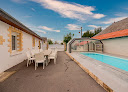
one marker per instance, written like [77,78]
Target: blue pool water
[111,60]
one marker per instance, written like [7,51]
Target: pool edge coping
[100,82]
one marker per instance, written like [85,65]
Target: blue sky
[56,18]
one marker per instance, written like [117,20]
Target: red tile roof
[112,35]
[81,43]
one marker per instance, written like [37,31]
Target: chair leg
[43,65]
[35,65]
[48,60]
[27,62]
[54,60]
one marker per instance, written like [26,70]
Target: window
[33,41]
[39,45]
[13,42]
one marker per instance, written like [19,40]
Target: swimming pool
[111,60]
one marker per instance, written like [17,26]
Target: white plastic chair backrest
[39,56]
[32,52]
[47,51]
[37,51]
[28,54]
[54,52]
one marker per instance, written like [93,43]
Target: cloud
[16,0]
[48,29]
[51,39]
[98,16]
[60,41]
[72,27]
[19,1]
[40,31]
[104,27]
[33,9]
[83,32]
[89,30]
[126,8]
[111,20]
[94,26]
[27,16]
[70,10]
[120,14]
[34,28]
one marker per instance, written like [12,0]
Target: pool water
[111,60]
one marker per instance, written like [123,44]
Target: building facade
[115,38]
[15,40]
[118,46]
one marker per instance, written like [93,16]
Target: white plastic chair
[37,51]
[53,55]
[39,58]
[33,53]
[29,58]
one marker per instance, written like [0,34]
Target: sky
[55,18]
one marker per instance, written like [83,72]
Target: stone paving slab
[115,78]
[5,75]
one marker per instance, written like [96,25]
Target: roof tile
[112,35]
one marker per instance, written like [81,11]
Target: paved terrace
[65,76]
[113,77]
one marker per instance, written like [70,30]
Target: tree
[50,41]
[90,34]
[68,37]
[97,30]
[61,43]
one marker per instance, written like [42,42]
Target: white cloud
[60,41]
[48,29]
[98,16]
[111,20]
[33,9]
[52,39]
[83,31]
[104,27]
[41,31]
[126,8]
[89,30]
[70,10]
[19,1]
[34,28]
[72,27]
[94,26]
[16,0]
[27,16]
